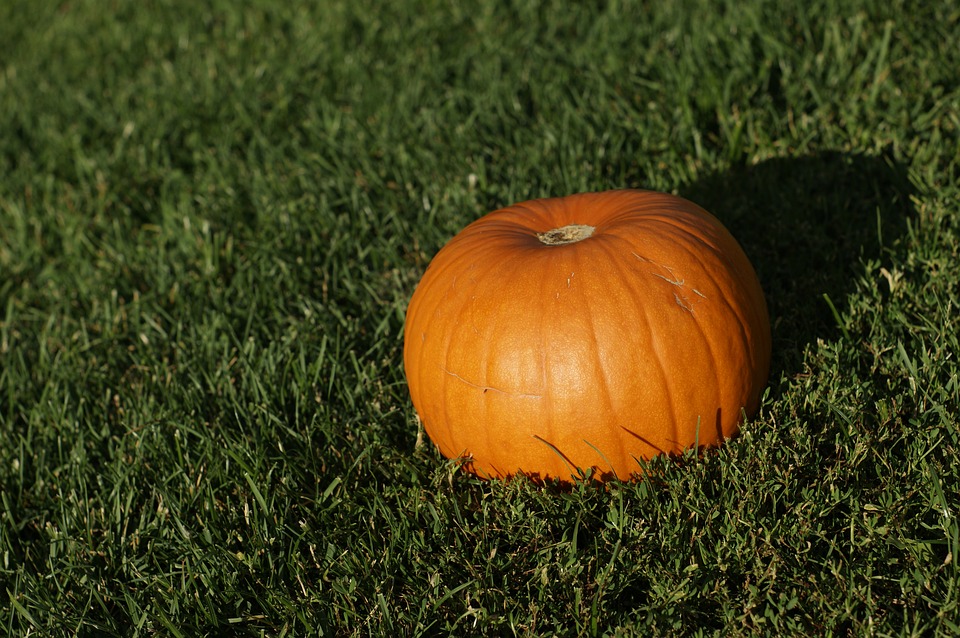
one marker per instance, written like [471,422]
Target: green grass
[212,216]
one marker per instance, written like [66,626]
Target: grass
[212,216]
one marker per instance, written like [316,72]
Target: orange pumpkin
[587,331]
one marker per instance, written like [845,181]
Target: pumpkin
[586,332]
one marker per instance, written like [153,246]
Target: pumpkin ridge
[724,396]
[477,252]
[721,256]
[598,364]
[636,288]
[529,215]
[718,383]
[551,319]
[487,363]
[696,318]
[546,416]
[639,289]
[433,272]
[743,278]
[728,259]
[623,277]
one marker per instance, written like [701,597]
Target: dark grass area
[212,217]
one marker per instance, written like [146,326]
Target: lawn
[213,215]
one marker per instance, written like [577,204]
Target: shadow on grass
[807,223]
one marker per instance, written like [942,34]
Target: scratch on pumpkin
[673,279]
[488,388]
[682,300]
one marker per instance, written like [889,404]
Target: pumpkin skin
[586,331]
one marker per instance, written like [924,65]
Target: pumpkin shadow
[809,224]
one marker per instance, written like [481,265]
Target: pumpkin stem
[565,234]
